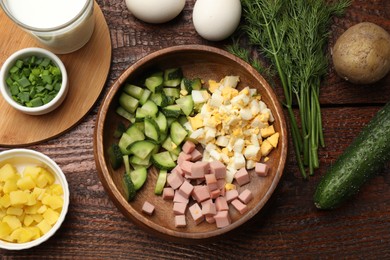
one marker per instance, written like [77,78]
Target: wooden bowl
[196,61]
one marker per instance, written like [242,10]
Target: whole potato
[361,54]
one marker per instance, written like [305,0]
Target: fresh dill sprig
[293,35]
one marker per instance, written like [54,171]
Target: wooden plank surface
[289,227]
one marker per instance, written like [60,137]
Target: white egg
[155,11]
[216,20]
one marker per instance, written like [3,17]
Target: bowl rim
[22,53]
[60,177]
[109,184]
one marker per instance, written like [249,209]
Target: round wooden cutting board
[87,71]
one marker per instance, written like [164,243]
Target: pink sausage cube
[175,180]
[203,203]
[209,209]
[261,169]
[177,169]
[210,219]
[222,219]
[196,213]
[200,169]
[168,193]
[215,193]
[186,189]
[180,198]
[239,206]
[179,208]
[183,157]
[196,155]
[221,204]
[180,221]
[211,181]
[186,166]
[242,177]
[188,147]
[231,195]
[148,208]
[221,183]
[219,169]
[201,193]
[246,196]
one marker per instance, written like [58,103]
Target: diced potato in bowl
[34,198]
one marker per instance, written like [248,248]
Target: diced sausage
[210,219]
[179,208]
[178,169]
[180,198]
[261,169]
[148,208]
[242,177]
[211,181]
[183,157]
[246,196]
[219,169]
[200,169]
[209,208]
[215,193]
[186,189]
[168,193]
[196,155]
[180,221]
[175,180]
[239,206]
[222,219]
[186,166]
[221,204]
[231,195]
[200,193]
[188,147]
[196,213]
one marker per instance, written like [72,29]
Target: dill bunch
[293,35]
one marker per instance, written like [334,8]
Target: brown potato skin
[361,55]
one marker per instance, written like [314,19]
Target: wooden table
[290,226]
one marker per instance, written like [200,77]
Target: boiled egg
[216,20]
[155,11]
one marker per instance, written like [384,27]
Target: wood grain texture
[80,65]
[290,227]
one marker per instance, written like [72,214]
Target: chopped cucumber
[128,187]
[162,123]
[142,149]
[140,126]
[196,84]
[125,114]
[155,82]
[172,77]
[126,162]
[133,91]
[138,177]
[135,160]
[186,104]
[145,96]
[172,111]
[160,183]
[159,98]
[121,128]
[129,103]
[168,144]
[172,92]
[115,156]
[132,135]
[163,160]
[178,133]
[150,108]
[151,129]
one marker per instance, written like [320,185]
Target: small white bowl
[21,158]
[27,52]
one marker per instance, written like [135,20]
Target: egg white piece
[216,20]
[155,11]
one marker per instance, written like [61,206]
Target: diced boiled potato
[28,220]
[37,217]
[32,171]
[25,183]
[14,211]
[44,226]
[5,201]
[35,231]
[5,229]
[18,197]
[48,175]
[3,212]
[12,221]
[7,172]
[10,185]
[53,201]
[38,193]
[31,200]
[21,235]
[33,209]
[41,181]
[51,216]
[56,189]
[42,209]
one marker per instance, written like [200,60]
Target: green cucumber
[172,111]
[115,156]
[133,90]
[159,98]
[160,183]
[161,121]
[128,102]
[142,149]
[129,188]
[186,104]
[138,177]
[155,82]
[151,129]
[172,77]
[163,160]
[125,114]
[145,96]
[360,161]
[178,133]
